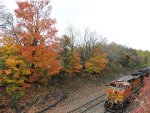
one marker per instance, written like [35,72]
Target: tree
[121,56]
[97,62]
[145,56]
[13,72]
[75,63]
[6,20]
[65,53]
[88,45]
[31,50]
[69,56]
[36,38]
[93,59]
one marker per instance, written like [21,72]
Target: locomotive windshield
[119,87]
[112,84]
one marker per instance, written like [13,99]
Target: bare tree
[90,44]
[87,43]
[6,20]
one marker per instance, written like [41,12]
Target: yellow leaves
[10,81]
[21,92]
[10,62]
[96,63]
[26,72]
[16,76]
[11,89]
[20,81]
[8,50]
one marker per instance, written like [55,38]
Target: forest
[33,55]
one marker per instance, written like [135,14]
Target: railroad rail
[53,104]
[89,105]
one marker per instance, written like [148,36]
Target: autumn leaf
[26,85]
[8,71]
[16,75]
[1,71]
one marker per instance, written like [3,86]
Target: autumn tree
[75,62]
[13,71]
[36,38]
[88,45]
[31,51]
[97,62]
[69,56]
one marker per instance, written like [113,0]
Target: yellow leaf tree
[13,72]
[96,63]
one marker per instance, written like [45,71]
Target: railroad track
[89,105]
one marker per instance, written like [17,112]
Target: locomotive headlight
[116,101]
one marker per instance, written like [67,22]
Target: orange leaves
[23,5]
[25,10]
[7,72]
[37,35]
[74,64]
[47,59]
[26,85]
[1,71]
[31,79]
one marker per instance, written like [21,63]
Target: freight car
[120,91]
[144,73]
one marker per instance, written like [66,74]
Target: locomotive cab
[117,94]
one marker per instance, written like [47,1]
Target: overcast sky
[125,22]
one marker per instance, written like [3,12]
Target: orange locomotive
[120,91]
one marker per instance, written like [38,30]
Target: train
[119,92]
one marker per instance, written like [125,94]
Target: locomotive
[120,91]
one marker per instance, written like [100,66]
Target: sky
[125,22]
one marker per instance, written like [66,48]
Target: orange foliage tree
[75,63]
[31,51]
[36,38]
